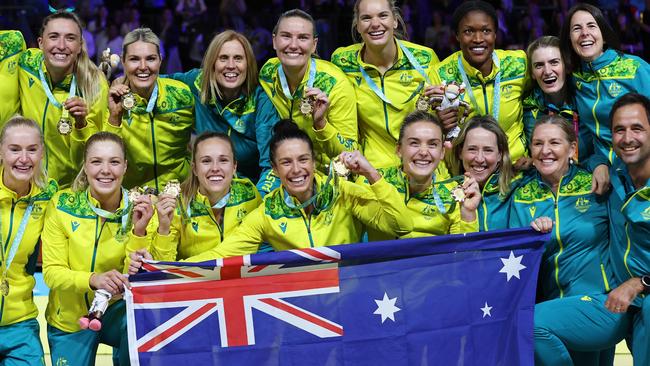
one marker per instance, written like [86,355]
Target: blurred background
[187,26]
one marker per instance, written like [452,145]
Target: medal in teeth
[128,101]
[339,168]
[307,106]
[172,188]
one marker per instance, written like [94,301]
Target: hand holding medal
[76,107]
[354,162]
[468,194]
[167,203]
[120,99]
[319,103]
[140,209]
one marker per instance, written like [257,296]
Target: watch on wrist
[645,281]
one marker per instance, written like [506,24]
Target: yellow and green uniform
[340,132]
[157,142]
[202,232]
[340,221]
[514,80]
[19,304]
[12,44]
[428,218]
[64,153]
[76,244]
[402,84]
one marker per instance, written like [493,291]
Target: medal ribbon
[331,176]
[150,105]
[496,95]
[13,249]
[50,96]
[120,213]
[219,205]
[285,84]
[414,62]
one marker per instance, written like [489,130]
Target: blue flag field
[449,300]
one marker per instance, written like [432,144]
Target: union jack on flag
[398,301]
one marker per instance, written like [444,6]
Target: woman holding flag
[24,194]
[213,203]
[63,91]
[153,115]
[88,231]
[389,74]
[312,92]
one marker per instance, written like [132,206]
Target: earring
[571,161]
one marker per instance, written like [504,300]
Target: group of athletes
[385,141]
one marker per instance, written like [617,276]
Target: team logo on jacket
[506,91]
[241,213]
[532,210]
[328,217]
[75,226]
[582,204]
[283,227]
[646,214]
[358,79]
[614,89]
[31,82]
[405,78]
[37,212]
[62,361]
[579,85]
[195,226]
[11,67]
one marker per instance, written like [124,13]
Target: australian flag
[450,300]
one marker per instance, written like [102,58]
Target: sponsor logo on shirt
[195,226]
[532,210]
[283,227]
[75,226]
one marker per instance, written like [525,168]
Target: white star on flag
[512,265]
[486,310]
[386,308]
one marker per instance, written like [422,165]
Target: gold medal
[423,104]
[307,106]
[4,287]
[458,193]
[64,126]
[128,101]
[172,188]
[339,168]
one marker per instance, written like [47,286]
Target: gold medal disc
[64,127]
[128,101]
[423,104]
[458,193]
[306,106]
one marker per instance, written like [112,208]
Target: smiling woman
[495,79]
[601,73]
[436,206]
[97,210]
[24,194]
[214,202]
[64,91]
[230,101]
[388,73]
[313,93]
[153,115]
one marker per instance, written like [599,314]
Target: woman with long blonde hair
[24,194]
[229,100]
